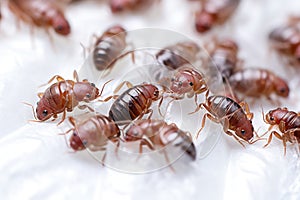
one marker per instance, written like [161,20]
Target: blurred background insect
[94,133]
[177,55]
[285,39]
[108,48]
[258,82]
[41,13]
[157,135]
[288,123]
[223,57]
[214,12]
[118,6]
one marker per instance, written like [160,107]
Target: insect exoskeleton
[64,95]
[42,14]
[134,102]
[108,47]
[157,134]
[235,120]
[288,123]
[257,82]
[177,55]
[214,12]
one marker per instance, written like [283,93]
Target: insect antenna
[28,104]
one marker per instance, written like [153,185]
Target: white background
[35,162]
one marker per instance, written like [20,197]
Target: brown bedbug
[214,12]
[134,102]
[257,82]
[177,55]
[235,120]
[285,40]
[157,134]
[223,56]
[64,95]
[118,6]
[93,133]
[187,81]
[288,123]
[109,47]
[41,13]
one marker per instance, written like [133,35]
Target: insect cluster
[132,117]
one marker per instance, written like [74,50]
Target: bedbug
[256,82]
[285,40]
[109,47]
[134,102]
[288,123]
[118,6]
[157,134]
[235,120]
[41,13]
[177,55]
[224,57]
[94,133]
[64,95]
[214,12]
[187,80]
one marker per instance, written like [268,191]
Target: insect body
[108,47]
[214,12]
[236,122]
[187,80]
[286,41]
[134,103]
[118,6]
[257,82]
[65,95]
[224,57]
[177,55]
[41,13]
[93,133]
[288,123]
[158,134]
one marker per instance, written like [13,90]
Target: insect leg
[128,84]
[212,118]
[168,160]
[57,77]
[247,109]
[63,118]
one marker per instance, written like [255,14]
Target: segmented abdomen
[223,106]
[130,104]
[107,51]
[58,96]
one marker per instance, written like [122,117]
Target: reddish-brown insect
[255,82]
[109,47]
[93,133]
[65,95]
[214,12]
[286,40]
[157,134]
[187,80]
[118,6]
[288,123]
[134,102]
[177,55]
[236,122]
[41,13]
[224,57]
